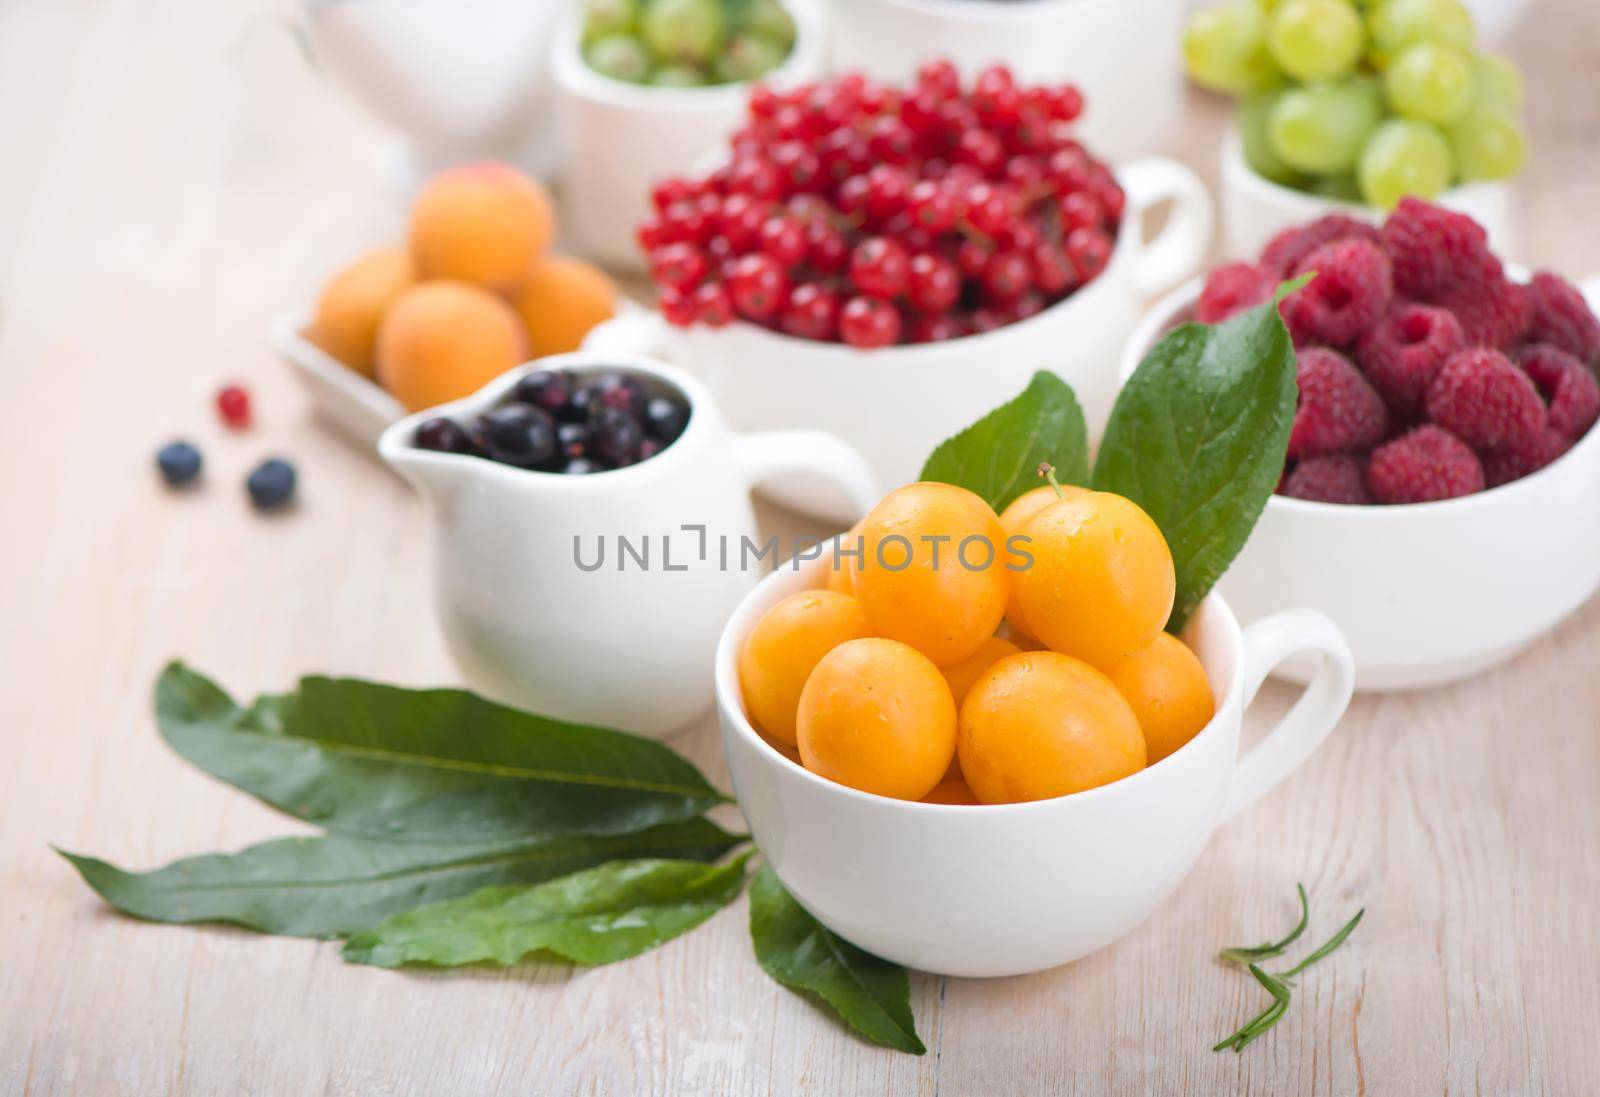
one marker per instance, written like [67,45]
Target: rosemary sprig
[1278,985]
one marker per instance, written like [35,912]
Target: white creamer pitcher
[599,598]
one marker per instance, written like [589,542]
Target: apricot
[1041,724]
[485,223]
[933,575]
[952,790]
[1102,582]
[781,651]
[1018,513]
[1168,691]
[443,340]
[561,301]
[876,715]
[961,675]
[842,570]
[353,303]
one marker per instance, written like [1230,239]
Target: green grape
[749,57]
[1225,49]
[605,17]
[1314,40]
[678,76]
[1253,114]
[1396,24]
[1498,84]
[619,56]
[1338,188]
[769,19]
[1488,144]
[684,30]
[1404,157]
[1320,129]
[1430,82]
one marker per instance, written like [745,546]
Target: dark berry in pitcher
[520,434]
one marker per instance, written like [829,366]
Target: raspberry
[1232,289]
[1493,312]
[1569,389]
[1561,316]
[1434,249]
[1403,352]
[1338,410]
[1351,290]
[1505,465]
[1485,400]
[1285,250]
[1335,478]
[1423,465]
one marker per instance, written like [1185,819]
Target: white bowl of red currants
[903,256]
[1441,500]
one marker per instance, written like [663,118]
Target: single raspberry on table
[1570,391]
[1493,312]
[1334,478]
[1561,316]
[1433,248]
[1484,400]
[1285,250]
[1404,351]
[1514,462]
[1233,288]
[1425,464]
[1338,410]
[1351,291]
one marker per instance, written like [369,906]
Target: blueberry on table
[549,389]
[444,436]
[271,485]
[520,434]
[179,463]
[665,418]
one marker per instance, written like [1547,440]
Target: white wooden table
[172,176]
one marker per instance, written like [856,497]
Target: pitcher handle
[1175,253]
[771,453]
[1266,644]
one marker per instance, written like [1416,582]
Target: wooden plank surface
[174,176]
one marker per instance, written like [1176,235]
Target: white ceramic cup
[1255,209]
[1431,592]
[625,137]
[897,403]
[1125,62]
[1014,888]
[627,645]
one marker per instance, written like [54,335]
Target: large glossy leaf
[998,457]
[435,765]
[333,886]
[871,994]
[1198,437]
[597,916]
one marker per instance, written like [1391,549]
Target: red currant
[756,176]
[763,101]
[1053,273]
[680,266]
[935,284]
[713,305]
[933,327]
[758,286]
[670,190]
[1008,275]
[233,404]
[931,206]
[741,219]
[1089,250]
[812,312]
[826,248]
[972,258]
[685,221]
[799,168]
[678,307]
[785,240]
[940,77]
[982,149]
[867,322]
[995,96]
[880,267]
[1080,210]
[991,208]
[887,187]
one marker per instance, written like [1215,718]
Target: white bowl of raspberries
[884,263]
[1441,500]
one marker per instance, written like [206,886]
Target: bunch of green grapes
[686,43]
[1363,100]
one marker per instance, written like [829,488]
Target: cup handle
[1178,249]
[773,452]
[639,332]
[1266,644]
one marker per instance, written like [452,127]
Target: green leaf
[871,994]
[1198,437]
[436,765]
[333,886]
[597,916]
[998,457]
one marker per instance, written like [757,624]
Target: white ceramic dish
[1428,593]
[1254,210]
[620,645]
[624,137]
[896,404]
[1002,890]
[1125,62]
